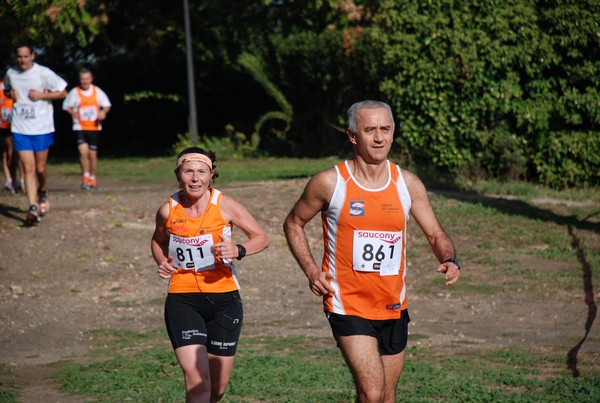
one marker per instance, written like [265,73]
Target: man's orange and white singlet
[365,246]
[6,109]
[191,246]
[88,110]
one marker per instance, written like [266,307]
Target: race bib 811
[377,252]
[194,253]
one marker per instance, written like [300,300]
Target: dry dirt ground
[88,266]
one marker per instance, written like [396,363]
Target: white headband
[195,157]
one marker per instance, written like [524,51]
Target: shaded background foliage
[504,89]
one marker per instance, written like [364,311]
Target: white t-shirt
[33,117]
[72,101]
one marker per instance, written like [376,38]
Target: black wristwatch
[241,252]
[453,260]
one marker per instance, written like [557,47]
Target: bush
[233,145]
[507,89]
[567,159]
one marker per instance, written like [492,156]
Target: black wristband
[241,252]
[453,260]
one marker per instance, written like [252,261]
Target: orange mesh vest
[88,110]
[6,107]
[365,246]
[191,246]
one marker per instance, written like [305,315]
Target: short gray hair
[368,104]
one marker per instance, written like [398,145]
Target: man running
[33,87]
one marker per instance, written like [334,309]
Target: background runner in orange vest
[365,204]
[9,162]
[193,248]
[88,105]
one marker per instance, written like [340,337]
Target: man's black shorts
[391,334]
[210,319]
[91,137]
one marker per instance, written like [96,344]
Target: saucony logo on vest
[384,236]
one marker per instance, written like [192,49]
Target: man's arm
[423,213]
[103,111]
[36,95]
[314,199]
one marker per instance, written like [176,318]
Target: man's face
[85,80]
[375,134]
[25,58]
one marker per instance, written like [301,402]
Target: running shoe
[33,216]
[85,183]
[93,183]
[8,186]
[44,203]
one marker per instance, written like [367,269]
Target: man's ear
[351,136]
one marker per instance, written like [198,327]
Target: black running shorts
[210,319]
[391,334]
[91,137]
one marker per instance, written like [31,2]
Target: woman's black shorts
[210,319]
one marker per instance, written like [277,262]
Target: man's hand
[36,95]
[451,271]
[319,283]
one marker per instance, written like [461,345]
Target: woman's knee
[217,392]
[197,385]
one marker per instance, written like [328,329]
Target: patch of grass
[526,190]
[500,228]
[151,375]
[296,369]
[109,341]
[160,169]
[500,375]
[8,386]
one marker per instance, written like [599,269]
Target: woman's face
[194,178]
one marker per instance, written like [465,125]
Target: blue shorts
[36,143]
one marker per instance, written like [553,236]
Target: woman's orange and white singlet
[191,246]
[365,246]
[88,110]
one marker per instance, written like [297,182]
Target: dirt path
[88,266]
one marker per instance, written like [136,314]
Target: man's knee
[28,166]
[371,393]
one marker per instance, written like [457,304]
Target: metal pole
[190,74]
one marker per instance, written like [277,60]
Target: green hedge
[502,89]
[499,88]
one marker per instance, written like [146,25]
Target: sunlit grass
[160,169]
[295,369]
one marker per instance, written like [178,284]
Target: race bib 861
[377,251]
